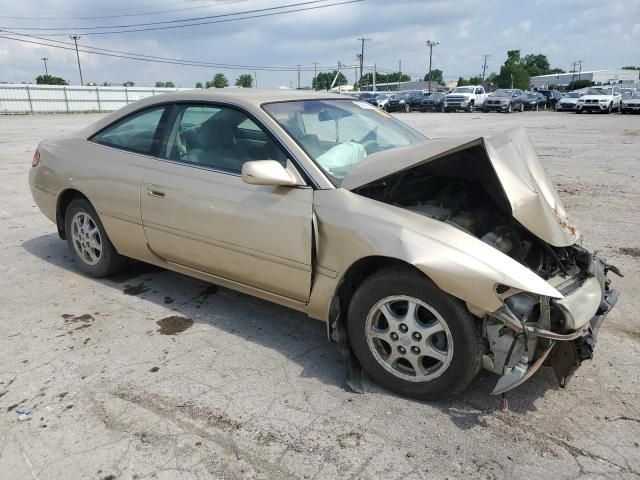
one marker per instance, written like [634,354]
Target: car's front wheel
[413,338]
[88,241]
[407,108]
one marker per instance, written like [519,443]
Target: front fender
[352,227]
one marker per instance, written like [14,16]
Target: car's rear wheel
[413,338]
[509,108]
[407,108]
[94,253]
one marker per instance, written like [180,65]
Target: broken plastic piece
[24,410]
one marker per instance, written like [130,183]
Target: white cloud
[525,25]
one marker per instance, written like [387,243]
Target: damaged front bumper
[582,312]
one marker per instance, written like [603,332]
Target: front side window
[218,137]
[135,133]
[339,134]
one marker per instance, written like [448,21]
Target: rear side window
[135,133]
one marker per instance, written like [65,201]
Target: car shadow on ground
[293,334]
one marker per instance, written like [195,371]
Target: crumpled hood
[533,199]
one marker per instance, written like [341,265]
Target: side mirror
[267,172]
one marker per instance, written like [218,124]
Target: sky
[601,34]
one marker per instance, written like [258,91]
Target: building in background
[596,76]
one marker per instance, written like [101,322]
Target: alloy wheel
[409,338]
[86,238]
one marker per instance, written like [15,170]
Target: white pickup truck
[465,98]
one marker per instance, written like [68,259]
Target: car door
[199,213]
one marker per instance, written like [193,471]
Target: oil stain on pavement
[173,325]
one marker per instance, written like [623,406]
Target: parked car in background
[534,101]
[627,92]
[630,104]
[414,102]
[382,99]
[505,100]
[366,96]
[552,96]
[429,258]
[396,102]
[465,98]
[568,102]
[433,102]
[604,99]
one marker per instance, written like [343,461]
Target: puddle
[173,325]
[70,318]
[630,251]
[135,289]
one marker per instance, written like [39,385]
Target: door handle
[154,191]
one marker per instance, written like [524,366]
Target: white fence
[23,98]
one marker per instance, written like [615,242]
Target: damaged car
[428,259]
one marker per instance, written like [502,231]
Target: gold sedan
[428,259]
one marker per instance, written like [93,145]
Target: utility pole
[75,39]
[573,70]
[315,75]
[431,44]
[484,65]
[44,59]
[580,69]
[298,76]
[255,78]
[362,53]
[399,74]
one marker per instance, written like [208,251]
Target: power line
[198,62]
[157,12]
[149,58]
[195,21]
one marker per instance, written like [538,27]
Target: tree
[245,80]
[129,83]
[199,85]
[218,81]
[165,84]
[436,76]
[50,80]
[471,81]
[556,71]
[513,73]
[630,67]
[536,64]
[322,80]
[394,77]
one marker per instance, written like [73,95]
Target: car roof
[242,96]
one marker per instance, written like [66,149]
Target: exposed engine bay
[462,190]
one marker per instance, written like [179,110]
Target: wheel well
[351,280]
[64,200]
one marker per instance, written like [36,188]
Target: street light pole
[46,71]
[75,39]
[431,44]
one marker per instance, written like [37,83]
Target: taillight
[36,159]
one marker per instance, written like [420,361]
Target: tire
[84,232]
[442,109]
[407,108]
[485,110]
[578,110]
[537,107]
[470,107]
[510,108]
[522,107]
[610,109]
[458,343]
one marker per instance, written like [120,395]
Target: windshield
[463,90]
[635,95]
[339,134]
[503,93]
[533,96]
[599,91]
[574,95]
